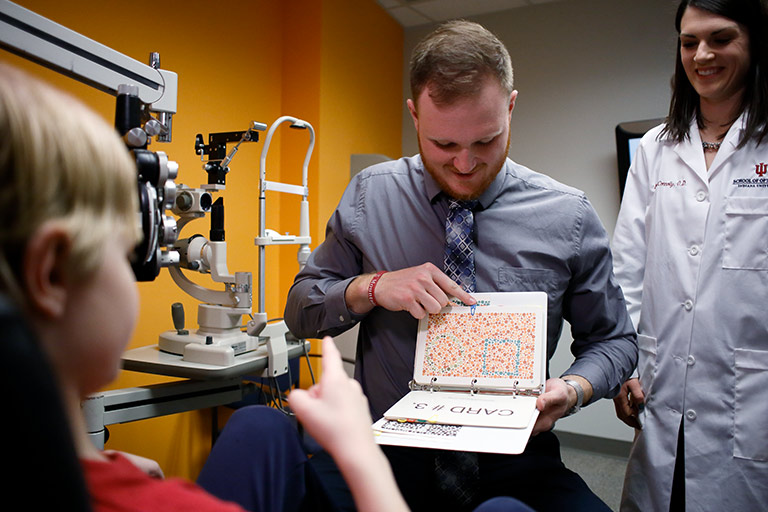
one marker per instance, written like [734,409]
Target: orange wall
[334,63]
[361,104]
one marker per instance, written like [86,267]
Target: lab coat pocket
[750,406]
[646,362]
[746,233]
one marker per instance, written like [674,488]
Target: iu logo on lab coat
[761,169]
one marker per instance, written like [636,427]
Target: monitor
[628,136]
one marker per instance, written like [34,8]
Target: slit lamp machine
[220,337]
[146,98]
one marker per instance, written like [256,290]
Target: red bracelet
[372,286]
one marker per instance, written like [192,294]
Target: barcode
[431,429]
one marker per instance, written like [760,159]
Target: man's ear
[512,100]
[414,115]
[44,270]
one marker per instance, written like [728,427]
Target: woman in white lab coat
[691,254]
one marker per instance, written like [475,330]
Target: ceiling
[410,13]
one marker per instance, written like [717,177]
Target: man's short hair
[455,59]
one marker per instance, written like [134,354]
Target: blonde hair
[455,59]
[59,162]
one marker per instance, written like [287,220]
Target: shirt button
[694,250]
[691,361]
[341,318]
[701,195]
[690,414]
[688,305]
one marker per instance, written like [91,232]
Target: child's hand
[334,411]
[148,466]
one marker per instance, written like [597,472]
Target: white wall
[581,67]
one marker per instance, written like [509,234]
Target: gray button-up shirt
[532,234]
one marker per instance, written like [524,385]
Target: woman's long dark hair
[685,99]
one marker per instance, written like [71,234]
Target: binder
[478,371]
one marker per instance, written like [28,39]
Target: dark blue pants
[537,477]
[259,462]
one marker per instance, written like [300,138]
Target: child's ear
[45,269]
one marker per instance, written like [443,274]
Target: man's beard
[487,180]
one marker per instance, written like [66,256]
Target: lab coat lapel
[729,146]
[690,152]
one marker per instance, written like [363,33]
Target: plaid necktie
[457,473]
[458,261]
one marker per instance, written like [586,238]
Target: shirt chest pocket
[515,279]
[746,233]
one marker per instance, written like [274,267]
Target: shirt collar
[734,132]
[434,193]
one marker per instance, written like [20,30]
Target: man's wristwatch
[579,396]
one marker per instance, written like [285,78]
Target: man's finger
[429,302]
[636,391]
[451,288]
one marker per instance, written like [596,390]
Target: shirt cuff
[337,313]
[594,375]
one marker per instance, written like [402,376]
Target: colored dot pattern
[484,345]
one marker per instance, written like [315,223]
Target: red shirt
[119,486]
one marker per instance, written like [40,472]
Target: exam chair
[42,468]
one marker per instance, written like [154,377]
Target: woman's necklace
[711,146]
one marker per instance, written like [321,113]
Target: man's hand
[629,402]
[557,399]
[552,405]
[419,290]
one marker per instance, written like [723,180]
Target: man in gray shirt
[381,264]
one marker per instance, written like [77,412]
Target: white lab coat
[691,254]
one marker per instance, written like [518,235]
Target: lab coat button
[688,305]
[691,361]
[690,414]
[694,250]
[701,195]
